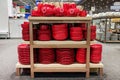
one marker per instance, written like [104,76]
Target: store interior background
[10,32]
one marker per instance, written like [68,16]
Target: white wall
[10,8]
[3,15]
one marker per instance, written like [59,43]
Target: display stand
[56,67]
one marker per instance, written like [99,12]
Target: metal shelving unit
[106,27]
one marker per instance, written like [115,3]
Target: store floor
[8,59]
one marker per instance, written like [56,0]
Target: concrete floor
[8,59]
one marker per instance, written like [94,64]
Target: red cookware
[73,12]
[81,55]
[65,56]
[95,53]
[60,31]
[76,33]
[58,11]
[83,13]
[47,10]
[46,56]
[44,33]
[24,54]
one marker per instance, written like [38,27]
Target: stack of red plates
[76,33]
[25,32]
[81,55]
[65,56]
[92,34]
[24,54]
[46,56]
[44,33]
[60,31]
[96,53]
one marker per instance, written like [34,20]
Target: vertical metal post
[105,29]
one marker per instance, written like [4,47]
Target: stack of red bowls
[81,55]
[95,53]
[24,54]
[46,56]
[92,33]
[76,33]
[65,56]
[60,31]
[44,33]
[25,32]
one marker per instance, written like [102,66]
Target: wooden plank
[59,18]
[88,51]
[31,33]
[18,71]
[101,72]
[59,69]
[109,17]
[59,44]
[32,61]
[113,41]
[108,41]
[60,21]
[56,65]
